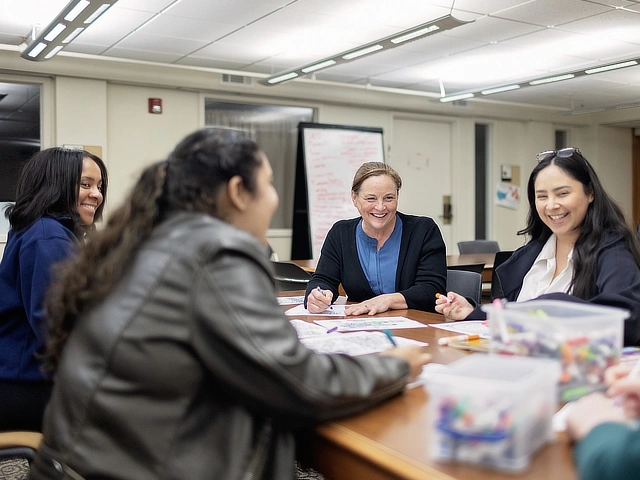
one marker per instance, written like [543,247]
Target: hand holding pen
[319,300]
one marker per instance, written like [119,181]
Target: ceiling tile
[491,29]
[152,43]
[187,28]
[227,11]
[112,26]
[559,41]
[146,56]
[617,25]
[552,12]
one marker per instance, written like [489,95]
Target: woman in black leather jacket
[173,359]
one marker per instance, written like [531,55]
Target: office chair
[471,267]
[496,288]
[289,276]
[478,246]
[17,450]
[467,284]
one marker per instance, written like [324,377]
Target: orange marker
[458,338]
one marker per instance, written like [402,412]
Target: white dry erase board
[330,156]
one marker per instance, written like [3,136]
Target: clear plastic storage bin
[492,410]
[585,339]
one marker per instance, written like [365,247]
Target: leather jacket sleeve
[251,349]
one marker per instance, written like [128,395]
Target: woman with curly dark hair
[173,358]
[60,194]
[580,245]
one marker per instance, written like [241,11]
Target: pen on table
[332,329]
[390,337]
[458,338]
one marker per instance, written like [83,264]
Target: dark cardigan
[421,272]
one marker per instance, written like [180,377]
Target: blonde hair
[374,169]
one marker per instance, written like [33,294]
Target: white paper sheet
[358,343]
[370,323]
[290,300]
[307,329]
[333,311]
[465,327]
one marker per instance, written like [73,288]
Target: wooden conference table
[452,260]
[391,441]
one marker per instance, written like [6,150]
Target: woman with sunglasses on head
[580,246]
[173,358]
[59,195]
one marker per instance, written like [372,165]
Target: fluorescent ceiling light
[362,51]
[318,66]
[416,34]
[54,51]
[97,13]
[37,49]
[55,31]
[74,17]
[614,66]
[77,10]
[73,35]
[282,78]
[506,88]
[552,79]
[453,98]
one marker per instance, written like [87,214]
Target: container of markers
[492,410]
[585,339]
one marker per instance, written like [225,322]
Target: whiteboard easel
[331,155]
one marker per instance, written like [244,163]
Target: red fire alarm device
[155,105]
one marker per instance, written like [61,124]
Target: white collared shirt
[539,279]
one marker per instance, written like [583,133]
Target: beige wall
[138,138]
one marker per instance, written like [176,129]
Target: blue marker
[390,337]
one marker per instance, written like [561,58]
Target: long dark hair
[48,187]
[603,215]
[189,180]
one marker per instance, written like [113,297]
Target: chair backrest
[17,450]
[478,246]
[471,267]
[289,276]
[496,288]
[467,284]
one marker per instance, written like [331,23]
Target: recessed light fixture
[401,38]
[67,25]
